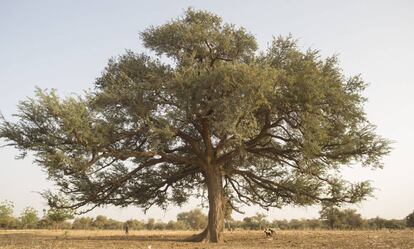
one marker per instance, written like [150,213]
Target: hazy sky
[66,45]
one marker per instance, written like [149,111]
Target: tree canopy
[195,219]
[29,218]
[267,127]
[6,214]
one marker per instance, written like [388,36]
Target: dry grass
[46,239]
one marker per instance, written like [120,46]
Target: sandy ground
[61,239]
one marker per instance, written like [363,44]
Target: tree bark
[214,231]
[216,205]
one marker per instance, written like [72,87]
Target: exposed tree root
[204,236]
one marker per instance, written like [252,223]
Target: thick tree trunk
[214,231]
[216,206]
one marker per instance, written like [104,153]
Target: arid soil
[62,239]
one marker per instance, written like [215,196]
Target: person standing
[126,228]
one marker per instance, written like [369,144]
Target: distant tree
[160,225]
[57,217]
[228,219]
[112,224]
[177,225]
[237,224]
[44,223]
[351,219]
[249,223]
[296,224]
[135,224]
[83,223]
[260,219]
[150,224]
[255,222]
[313,224]
[6,215]
[100,222]
[396,224]
[281,224]
[381,223]
[335,218]
[269,128]
[376,223]
[66,225]
[195,219]
[29,218]
[410,220]
[331,216]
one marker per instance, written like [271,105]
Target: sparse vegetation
[6,215]
[29,218]
[330,219]
[109,239]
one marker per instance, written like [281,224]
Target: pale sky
[66,45]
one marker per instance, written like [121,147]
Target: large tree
[270,128]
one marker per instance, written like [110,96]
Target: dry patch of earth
[77,239]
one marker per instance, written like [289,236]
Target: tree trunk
[216,205]
[214,231]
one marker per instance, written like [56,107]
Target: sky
[66,44]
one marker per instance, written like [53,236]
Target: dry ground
[44,239]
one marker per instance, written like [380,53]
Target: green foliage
[6,215]
[177,225]
[276,124]
[200,36]
[57,217]
[150,224]
[29,218]
[82,223]
[381,223]
[256,222]
[334,218]
[410,220]
[194,219]
[135,224]
[102,222]
[114,225]
[297,224]
[160,225]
